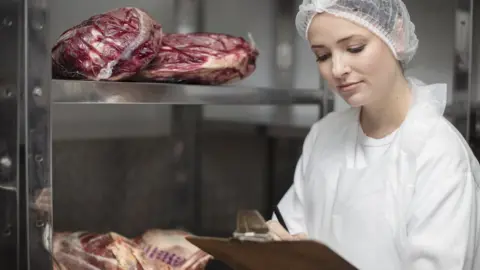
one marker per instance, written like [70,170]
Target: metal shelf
[93,92]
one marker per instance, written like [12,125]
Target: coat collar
[427,108]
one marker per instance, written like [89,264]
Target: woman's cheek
[374,59]
[325,72]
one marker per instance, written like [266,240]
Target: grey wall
[435,27]
[127,185]
[477,50]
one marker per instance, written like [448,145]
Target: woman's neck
[386,115]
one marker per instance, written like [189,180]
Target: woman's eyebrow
[319,46]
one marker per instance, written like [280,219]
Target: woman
[388,183]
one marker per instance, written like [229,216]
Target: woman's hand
[278,233]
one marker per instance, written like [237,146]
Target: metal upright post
[284,37]
[35,174]
[473,131]
[283,66]
[10,26]
[463,112]
[25,136]
[186,133]
[284,48]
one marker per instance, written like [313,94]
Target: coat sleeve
[442,214]
[292,205]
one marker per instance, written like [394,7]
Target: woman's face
[357,64]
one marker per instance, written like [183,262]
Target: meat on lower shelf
[127,44]
[154,250]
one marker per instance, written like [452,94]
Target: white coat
[416,207]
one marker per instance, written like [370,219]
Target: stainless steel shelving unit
[65,91]
[27,93]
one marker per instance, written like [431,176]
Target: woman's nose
[339,66]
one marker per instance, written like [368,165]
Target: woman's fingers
[278,232]
[300,236]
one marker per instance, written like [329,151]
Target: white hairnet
[388,19]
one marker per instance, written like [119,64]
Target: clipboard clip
[251,226]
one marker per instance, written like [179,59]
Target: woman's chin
[355,101]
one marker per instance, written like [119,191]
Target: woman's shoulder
[447,161]
[446,143]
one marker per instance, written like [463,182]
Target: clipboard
[274,255]
[251,248]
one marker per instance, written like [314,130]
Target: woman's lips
[348,87]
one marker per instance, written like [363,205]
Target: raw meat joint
[171,247]
[108,251]
[154,250]
[110,46]
[202,58]
[127,44]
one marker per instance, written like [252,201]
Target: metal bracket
[251,226]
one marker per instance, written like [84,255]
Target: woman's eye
[356,49]
[322,58]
